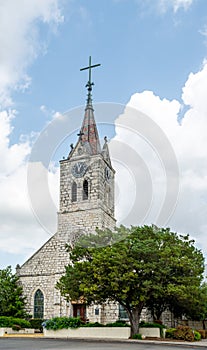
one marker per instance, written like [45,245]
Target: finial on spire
[80,134]
[90,83]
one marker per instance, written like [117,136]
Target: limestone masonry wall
[83,216]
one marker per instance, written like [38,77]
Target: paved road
[54,344]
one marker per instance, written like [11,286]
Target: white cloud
[164,5]
[203,31]
[13,156]
[20,231]
[20,42]
[181,4]
[189,142]
[15,213]
[194,91]
[50,113]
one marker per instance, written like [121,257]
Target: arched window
[85,189]
[74,192]
[109,197]
[38,304]
[122,313]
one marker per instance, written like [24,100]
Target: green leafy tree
[157,305]
[11,298]
[195,307]
[200,309]
[192,304]
[131,266]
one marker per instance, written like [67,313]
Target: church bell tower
[86,203]
[86,180]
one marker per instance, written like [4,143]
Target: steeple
[89,134]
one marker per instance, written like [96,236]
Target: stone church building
[86,202]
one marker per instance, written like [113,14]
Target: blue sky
[158,46]
[140,46]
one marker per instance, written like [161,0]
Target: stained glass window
[38,304]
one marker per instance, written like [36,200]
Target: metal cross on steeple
[89,133]
[90,83]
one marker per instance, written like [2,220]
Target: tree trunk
[157,316]
[134,318]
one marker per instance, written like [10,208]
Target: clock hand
[79,167]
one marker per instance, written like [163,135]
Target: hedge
[6,321]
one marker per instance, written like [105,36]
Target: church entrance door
[79,310]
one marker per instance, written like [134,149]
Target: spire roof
[89,133]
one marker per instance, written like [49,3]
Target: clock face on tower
[79,169]
[107,174]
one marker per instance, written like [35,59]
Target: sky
[149,98]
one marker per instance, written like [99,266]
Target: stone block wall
[83,216]
[101,191]
[107,313]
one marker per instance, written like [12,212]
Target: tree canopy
[132,266]
[195,308]
[11,298]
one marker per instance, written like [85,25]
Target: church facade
[86,203]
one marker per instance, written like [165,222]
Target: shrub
[197,336]
[93,324]
[151,325]
[184,333]
[63,322]
[36,323]
[10,321]
[16,327]
[117,324]
[202,333]
[158,321]
[75,322]
[170,333]
[137,336]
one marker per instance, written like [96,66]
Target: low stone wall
[7,330]
[100,332]
[150,332]
[90,332]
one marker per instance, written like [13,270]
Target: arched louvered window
[109,196]
[85,189]
[74,192]
[38,304]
